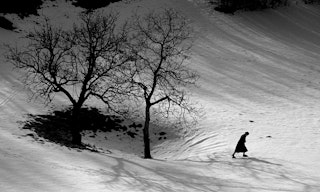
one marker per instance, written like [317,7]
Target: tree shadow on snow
[260,161]
[170,176]
[283,176]
[56,126]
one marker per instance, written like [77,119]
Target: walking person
[241,147]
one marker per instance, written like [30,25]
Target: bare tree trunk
[75,129]
[146,138]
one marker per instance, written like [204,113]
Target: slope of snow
[259,73]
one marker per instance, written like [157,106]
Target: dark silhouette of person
[241,147]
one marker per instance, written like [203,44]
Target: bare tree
[160,43]
[82,62]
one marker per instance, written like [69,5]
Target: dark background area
[26,7]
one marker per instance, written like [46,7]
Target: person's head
[247,133]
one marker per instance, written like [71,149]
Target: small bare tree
[160,43]
[82,62]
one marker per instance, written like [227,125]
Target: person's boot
[233,156]
[245,155]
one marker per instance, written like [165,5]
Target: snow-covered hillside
[260,72]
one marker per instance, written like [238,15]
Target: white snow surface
[260,72]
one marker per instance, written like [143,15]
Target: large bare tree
[82,62]
[160,44]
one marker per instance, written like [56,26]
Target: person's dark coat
[241,144]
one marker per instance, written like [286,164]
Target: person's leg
[233,155]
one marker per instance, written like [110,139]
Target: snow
[259,73]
